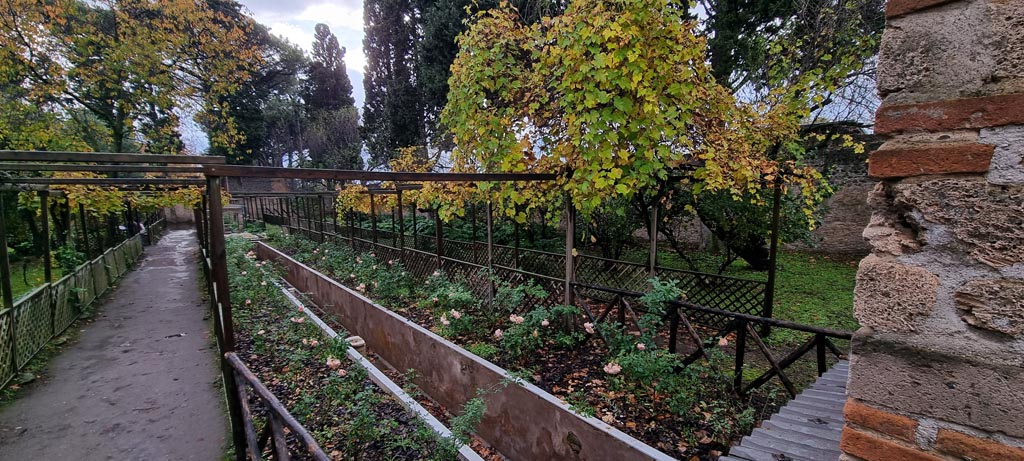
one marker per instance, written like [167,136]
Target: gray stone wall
[941,297]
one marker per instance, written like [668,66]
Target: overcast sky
[296,19]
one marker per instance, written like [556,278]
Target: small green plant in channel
[483,350]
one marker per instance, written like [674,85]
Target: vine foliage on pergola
[618,97]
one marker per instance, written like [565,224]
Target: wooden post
[218,258]
[652,258]
[401,222]
[741,348]
[773,253]
[44,201]
[570,256]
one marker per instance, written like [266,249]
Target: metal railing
[272,436]
[681,314]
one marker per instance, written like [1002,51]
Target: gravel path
[141,382]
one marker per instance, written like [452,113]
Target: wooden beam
[105,157]
[355,175]
[105,181]
[99,168]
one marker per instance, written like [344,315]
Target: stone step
[822,424]
[815,401]
[804,448]
[781,424]
[830,408]
[757,454]
[837,394]
[808,428]
[811,415]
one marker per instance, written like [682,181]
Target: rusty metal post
[773,254]
[490,251]
[334,219]
[218,258]
[352,229]
[401,222]
[415,229]
[373,217]
[5,267]
[652,257]
[5,281]
[438,237]
[44,202]
[570,251]
[85,231]
[515,240]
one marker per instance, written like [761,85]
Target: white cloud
[298,20]
[335,15]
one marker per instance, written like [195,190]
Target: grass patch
[27,277]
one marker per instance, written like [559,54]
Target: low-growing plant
[532,330]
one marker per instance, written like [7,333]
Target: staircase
[806,429]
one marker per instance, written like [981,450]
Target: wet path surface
[140,383]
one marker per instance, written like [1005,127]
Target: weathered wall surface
[937,371]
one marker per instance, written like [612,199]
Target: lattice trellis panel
[6,337]
[542,263]
[117,258]
[474,276]
[719,292]
[614,274]
[32,321]
[553,287]
[85,289]
[420,264]
[100,278]
[426,243]
[64,311]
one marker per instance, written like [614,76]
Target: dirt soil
[141,382]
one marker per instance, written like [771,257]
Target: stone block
[905,379]
[952,50]
[972,448]
[996,305]
[871,448]
[877,420]
[952,114]
[895,8]
[942,53]
[1007,166]
[931,159]
[889,295]
[988,220]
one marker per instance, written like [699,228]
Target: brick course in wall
[937,371]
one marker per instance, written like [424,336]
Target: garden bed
[351,408]
[689,415]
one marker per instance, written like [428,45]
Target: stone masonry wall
[937,371]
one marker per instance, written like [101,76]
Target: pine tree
[393,111]
[332,133]
[329,86]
